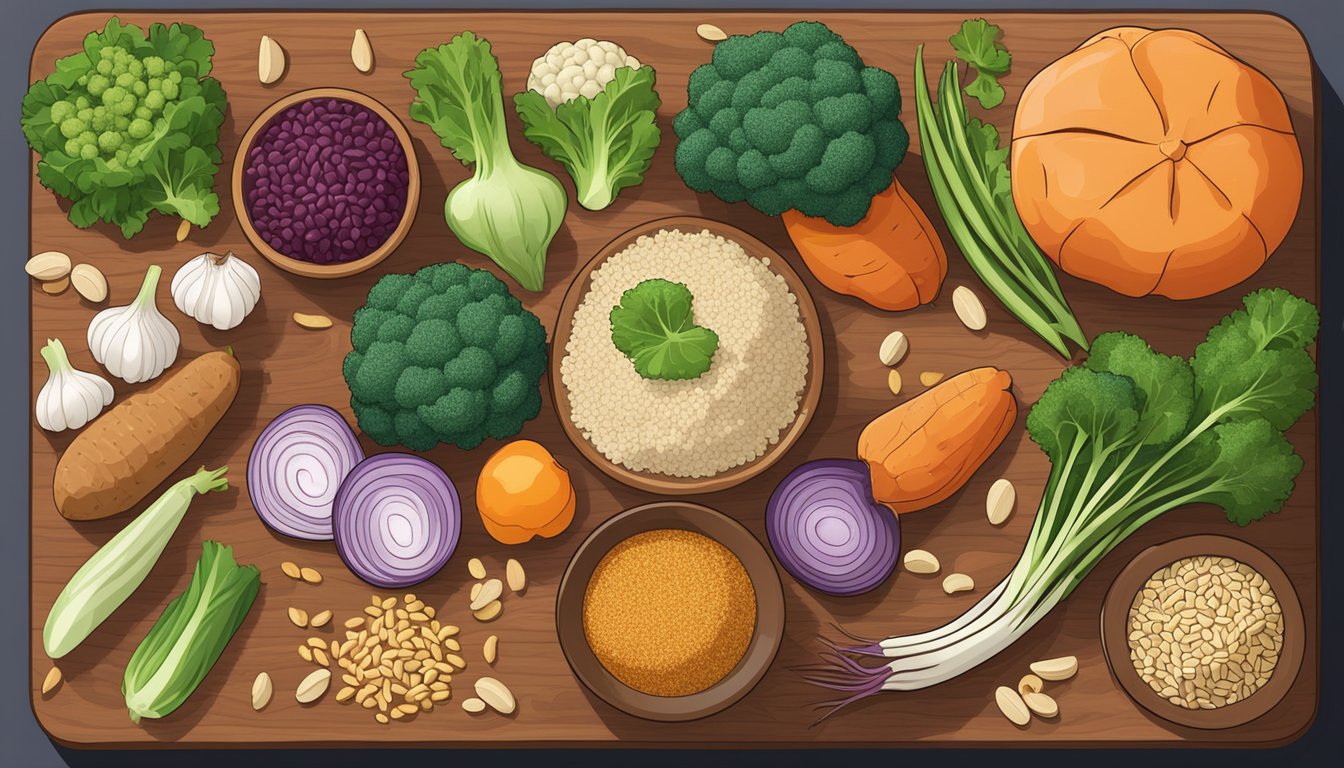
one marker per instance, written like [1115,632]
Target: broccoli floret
[791,121]
[445,355]
[139,129]
[108,142]
[71,127]
[419,386]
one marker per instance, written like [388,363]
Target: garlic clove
[135,342]
[219,291]
[71,398]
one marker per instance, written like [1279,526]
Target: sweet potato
[136,445]
[924,449]
[892,259]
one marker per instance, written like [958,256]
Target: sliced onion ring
[296,466]
[396,520]
[827,530]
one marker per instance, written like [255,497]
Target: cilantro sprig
[977,44]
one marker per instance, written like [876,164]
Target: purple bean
[327,181]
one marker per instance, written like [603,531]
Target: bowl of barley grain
[1204,631]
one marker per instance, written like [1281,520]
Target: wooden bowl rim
[807,405]
[679,515]
[307,268]
[1115,633]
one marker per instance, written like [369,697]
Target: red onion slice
[827,530]
[295,468]
[397,520]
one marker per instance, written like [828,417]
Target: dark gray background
[22,743]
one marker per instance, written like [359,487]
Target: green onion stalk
[1131,434]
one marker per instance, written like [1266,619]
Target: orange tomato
[524,492]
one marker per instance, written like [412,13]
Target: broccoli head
[791,120]
[446,355]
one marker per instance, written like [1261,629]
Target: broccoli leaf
[977,44]
[1248,468]
[1166,384]
[606,142]
[1255,364]
[653,327]
[183,44]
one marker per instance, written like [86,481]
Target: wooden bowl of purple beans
[326,183]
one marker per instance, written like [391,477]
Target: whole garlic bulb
[135,342]
[217,290]
[70,398]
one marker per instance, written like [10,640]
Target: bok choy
[190,635]
[506,210]
[1131,434]
[119,568]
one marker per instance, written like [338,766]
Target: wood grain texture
[284,365]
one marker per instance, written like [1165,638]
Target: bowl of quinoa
[733,421]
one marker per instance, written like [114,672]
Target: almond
[89,283]
[48,265]
[969,310]
[710,33]
[270,67]
[312,321]
[361,53]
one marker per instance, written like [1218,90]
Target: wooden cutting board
[284,365]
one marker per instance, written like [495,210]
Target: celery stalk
[191,634]
[120,566]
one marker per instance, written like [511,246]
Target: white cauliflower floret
[583,68]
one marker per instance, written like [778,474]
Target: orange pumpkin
[523,492]
[1155,162]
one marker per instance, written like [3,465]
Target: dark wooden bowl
[667,484]
[1115,631]
[308,268]
[684,516]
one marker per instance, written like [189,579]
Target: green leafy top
[653,327]
[506,210]
[606,142]
[977,44]
[1132,433]
[130,125]
[460,97]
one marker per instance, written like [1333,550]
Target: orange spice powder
[669,612]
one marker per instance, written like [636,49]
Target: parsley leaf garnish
[653,327]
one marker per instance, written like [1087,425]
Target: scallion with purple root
[1131,434]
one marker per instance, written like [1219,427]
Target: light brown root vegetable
[137,444]
[924,449]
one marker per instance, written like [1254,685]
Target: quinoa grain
[702,427]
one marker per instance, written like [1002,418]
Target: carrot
[923,450]
[892,259]
[136,445]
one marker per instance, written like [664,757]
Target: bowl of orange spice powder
[670,611]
